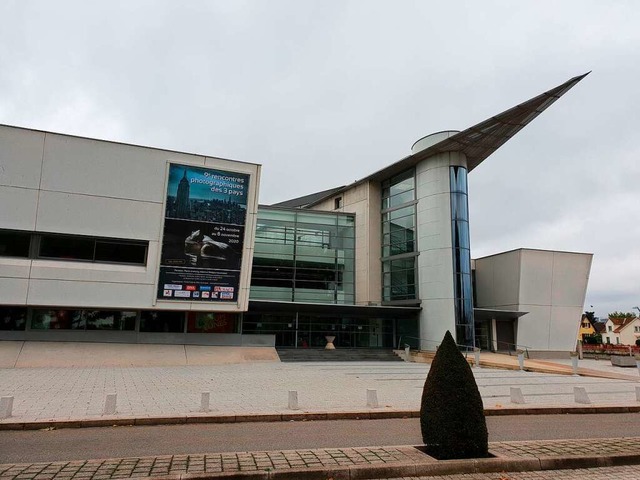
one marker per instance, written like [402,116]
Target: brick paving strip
[339,463]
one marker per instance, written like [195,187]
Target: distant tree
[451,414]
[622,315]
[591,316]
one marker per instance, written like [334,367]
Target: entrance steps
[337,355]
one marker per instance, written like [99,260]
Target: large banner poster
[203,234]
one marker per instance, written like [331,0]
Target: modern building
[530,298]
[108,242]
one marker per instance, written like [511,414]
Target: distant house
[621,331]
[587,328]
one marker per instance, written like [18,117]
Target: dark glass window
[161,321]
[110,320]
[66,247]
[462,281]
[121,252]
[57,319]
[13,318]
[70,247]
[14,244]
[459,208]
[212,322]
[398,236]
[458,179]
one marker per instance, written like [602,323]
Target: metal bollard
[476,357]
[205,397]
[6,405]
[407,355]
[293,400]
[574,364]
[580,395]
[372,398]
[110,404]
[521,360]
[516,395]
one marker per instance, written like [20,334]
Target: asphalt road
[115,442]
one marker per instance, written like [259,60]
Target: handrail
[467,348]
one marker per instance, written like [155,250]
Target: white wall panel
[563,328]
[570,277]
[98,216]
[13,291]
[533,328]
[93,167]
[90,294]
[18,208]
[14,267]
[91,272]
[506,279]
[536,277]
[437,316]
[20,157]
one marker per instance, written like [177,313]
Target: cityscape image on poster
[203,234]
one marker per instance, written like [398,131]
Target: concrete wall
[73,354]
[550,285]
[365,201]
[435,263]
[62,184]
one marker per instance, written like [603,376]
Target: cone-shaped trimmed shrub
[451,413]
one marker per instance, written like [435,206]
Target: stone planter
[623,361]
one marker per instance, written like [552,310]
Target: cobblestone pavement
[327,458]
[631,472]
[79,393]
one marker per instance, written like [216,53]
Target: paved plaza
[79,393]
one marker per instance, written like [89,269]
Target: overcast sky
[322,93]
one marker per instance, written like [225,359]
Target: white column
[435,262]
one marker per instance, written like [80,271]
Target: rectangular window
[110,251]
[14,244]
[57,319]
[13,318]
[212,322]
[161,321]
[110,320]
[66,247]
[610,328]
[618,340]
[71,247]
[337,203]
[608,340]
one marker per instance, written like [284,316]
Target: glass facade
[398,238]
[304,256]
[462,281]
[308,330]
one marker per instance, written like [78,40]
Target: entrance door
[505,335]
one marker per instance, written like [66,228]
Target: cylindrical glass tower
[461,254]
